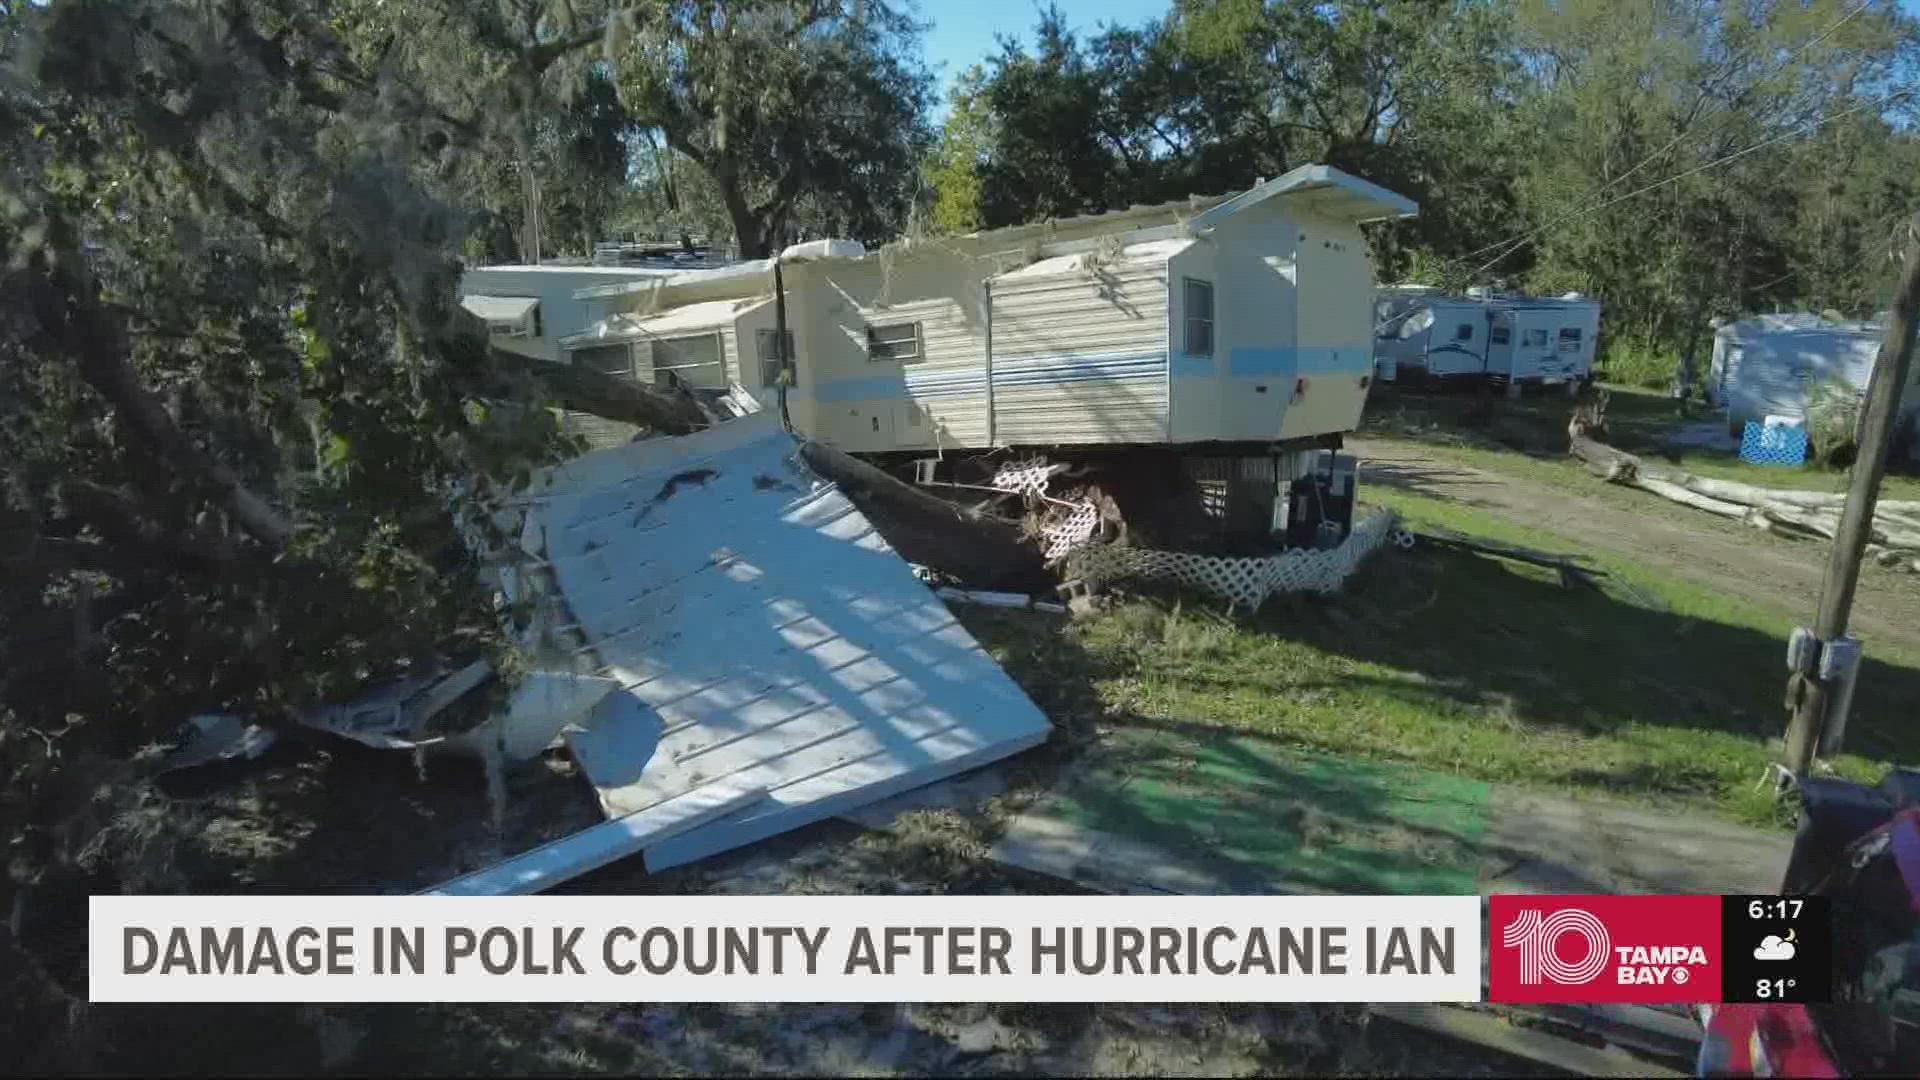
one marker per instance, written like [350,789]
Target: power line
[1520,240]
[1657,154]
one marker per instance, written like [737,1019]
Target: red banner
[1648,949]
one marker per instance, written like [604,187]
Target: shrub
[1833,410]
[1635,365]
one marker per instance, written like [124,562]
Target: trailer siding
[1080,356]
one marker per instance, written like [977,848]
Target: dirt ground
[1705,550]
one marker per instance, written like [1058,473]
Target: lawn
[1467,427]
[1647,687]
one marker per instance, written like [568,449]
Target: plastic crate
[1773,444]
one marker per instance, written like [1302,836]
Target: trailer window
[1535,339]
[1199,337]
[689,361]
[606,359]
[1497,335]
[1463,332]
[1570,339]
[772,360]
[894,342]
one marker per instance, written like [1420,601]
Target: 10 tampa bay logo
[1604,948]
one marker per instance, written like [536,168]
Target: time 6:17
[1774,909]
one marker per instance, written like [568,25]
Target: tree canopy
[1778,137]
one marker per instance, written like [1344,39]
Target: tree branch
[586,390]
[61,294]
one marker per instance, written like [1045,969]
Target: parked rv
[1421,333]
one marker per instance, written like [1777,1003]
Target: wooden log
[1614,466]
[980,550]
[1784,512]
[583,389]
[1680,494]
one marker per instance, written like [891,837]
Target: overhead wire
[1513,243]
[1516,242]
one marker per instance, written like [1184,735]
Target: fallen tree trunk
[981,550]
[1754,495]
[1614,466]
[1680,494]
[1802,514]
[583,389]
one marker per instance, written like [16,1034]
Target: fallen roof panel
[766,636]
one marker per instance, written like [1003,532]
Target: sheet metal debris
[217,737]
[778,662]
[395,716]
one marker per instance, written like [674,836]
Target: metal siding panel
[1081,357]
[949,382]
[765,636]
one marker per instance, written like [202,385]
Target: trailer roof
[1324,189]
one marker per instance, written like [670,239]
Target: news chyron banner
[338,949]
[858,949]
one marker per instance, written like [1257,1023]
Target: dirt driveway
[1731,558]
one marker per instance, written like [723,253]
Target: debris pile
[1059,524]
[752,654]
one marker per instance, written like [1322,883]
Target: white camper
[1230,321]
[1432,336]
[529,309]
[1422,333]
[1544,341]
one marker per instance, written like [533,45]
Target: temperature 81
[1773,989]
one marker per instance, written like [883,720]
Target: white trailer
[1434,337]
[1542,341]
[1513,339]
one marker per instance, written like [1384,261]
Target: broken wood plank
[1570,567]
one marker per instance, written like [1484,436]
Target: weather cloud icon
[1773,947]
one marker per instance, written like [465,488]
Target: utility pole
[1807,694]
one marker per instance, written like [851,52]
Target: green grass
[1648,687]
[1530,435]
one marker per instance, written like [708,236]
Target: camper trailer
[1230,322]
[1511,339]
[1768,365]
[1226,334]
[529,309]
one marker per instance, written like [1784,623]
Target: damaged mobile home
[1217,342]
[1770,365]
[717,631]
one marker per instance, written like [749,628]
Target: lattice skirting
[1246,581]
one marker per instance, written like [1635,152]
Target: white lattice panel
[1244,581]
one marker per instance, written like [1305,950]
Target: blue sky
[963,30]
